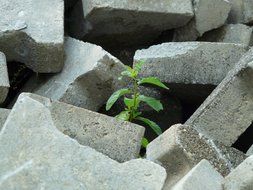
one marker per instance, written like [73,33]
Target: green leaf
[139,65]
[152,102]
[130,102]
[129,72]
[144,142]
[115,96]
[154,81]
[151,124]
[124,115]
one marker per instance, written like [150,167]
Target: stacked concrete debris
[53,137]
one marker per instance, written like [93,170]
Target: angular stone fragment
[242,177]
[127,22]
[35,155]
[89,77]
[228,111]
[202,176]
[190,62]
[117,139]
[3,116]
[250,151]
[181,147]
[241,12]
[29,34]
[4,79]
[208,15]
[231,33]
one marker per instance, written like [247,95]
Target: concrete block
[35,155]
[29,34]
[3,116]
[242,177]
[202,176]
[231,33]
[117,139]
[208,15]
[228,111]
[126,23]
[4,79]
[88,79]
[181,147]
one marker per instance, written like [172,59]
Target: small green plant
[133,98]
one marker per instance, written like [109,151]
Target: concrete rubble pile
[54,130]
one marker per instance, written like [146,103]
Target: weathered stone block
[228,111]
[34,154]
[3,116]
[4,79]
[117,139]
[241,12]
[29,34]
[242,177]
[202,176]
[127,22]
[208,15]
[181,147]
[231,33]
[250,151]
[89,77]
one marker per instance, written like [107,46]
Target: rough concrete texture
[208,15]
[241,12]
[181,147]
[89,77]
[30,35]
[190,62]
[231,33]
[35,155]
[242,177]
[127,22]
[3,116]
[4,79]
[202,177]
[228,111]
[250,151]
[117,139]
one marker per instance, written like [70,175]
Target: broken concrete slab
[250,151]
[3,116]
[34,154]
[241,12]
[4,79]
[33,37]
[230,33]
[202,176]
[89,77]
[228,111]
[192,68]
[208,15]
[181,147]
[241,178]
[117,139]
[126,23]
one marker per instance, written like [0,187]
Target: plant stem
[135,94]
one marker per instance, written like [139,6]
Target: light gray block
[250,151]
[242,177]
[208,15]
[32,32]
[181,147]
[241,11]
[3,116]
[35,155]
[117,139]
[202,176]
[231,33]
[228,111]
[126,22]
[4,79]
[88,79]
[190,62]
